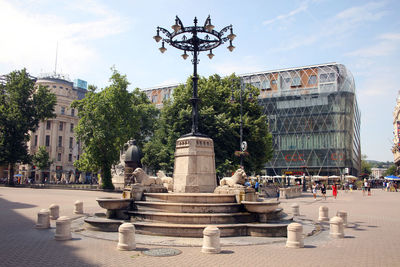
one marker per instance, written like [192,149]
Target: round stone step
[188,207]
[190,197]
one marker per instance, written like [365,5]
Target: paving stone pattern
[373,238]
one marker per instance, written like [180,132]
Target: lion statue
[238,178]
[143,179]
[168,182]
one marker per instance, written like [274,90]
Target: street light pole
[195,39]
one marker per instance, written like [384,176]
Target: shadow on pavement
[227,252]
[23,245]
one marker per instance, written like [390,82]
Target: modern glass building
[312,114]
[314,119]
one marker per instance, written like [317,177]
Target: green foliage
[22,107]
[390,171]
[365,166]
[219,119]
[41,159]
[108,119]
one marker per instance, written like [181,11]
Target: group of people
[322,187]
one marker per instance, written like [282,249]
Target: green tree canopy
[41,158]
[365,166]
[219,119]
[22,107]
[108,119]
[391,170]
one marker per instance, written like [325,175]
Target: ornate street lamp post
[243,144]
[195,39]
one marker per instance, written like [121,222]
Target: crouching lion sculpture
[168,182]
[238,178]
[143,179]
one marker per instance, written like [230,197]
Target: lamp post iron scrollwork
[195,39]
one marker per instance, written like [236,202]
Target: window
[47,140]
[35,142]
[296,81]
[62,110]
[60,141]
[154,99]
[72,112]
[265,84]
[312,79]
[71,141]
[327,77]
[69,157]
[61,126]
[59,157]
[274,82]
[48,125]
[71,129]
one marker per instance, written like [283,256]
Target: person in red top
[334,190]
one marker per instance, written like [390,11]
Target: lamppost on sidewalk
[195,39]
[243,144]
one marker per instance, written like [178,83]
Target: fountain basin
[110,203]
[263,209]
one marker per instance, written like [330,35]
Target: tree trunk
[106,178]
[10,174]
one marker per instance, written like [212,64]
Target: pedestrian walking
[314,191]
[323,191]
[334,191]
[277,193]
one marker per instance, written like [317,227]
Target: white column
[63,229]
[78,207]
[295,236]
[336,227]
[43,219]
[295,209]
[54,211]
[211,240]
[323,214]
[342,214]
[126,237]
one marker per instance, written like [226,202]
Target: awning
[392,177]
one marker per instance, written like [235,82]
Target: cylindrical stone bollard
[78,207]
[54,211]
[295,209]
[336,227]
[342,214]
[323,214]
[63,229]
[295,236]
[126,237]
[211,242]
[43,219]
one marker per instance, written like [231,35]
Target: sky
[90,37]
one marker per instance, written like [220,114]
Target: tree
[41,159]
[107,120]
[22,107]
[391,170]
[219,119]
[365,166]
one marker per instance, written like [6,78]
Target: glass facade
[314,119]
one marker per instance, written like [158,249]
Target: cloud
[388,44]
[32,36]
[246,65]
[303,7]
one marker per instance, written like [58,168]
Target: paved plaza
[373,238]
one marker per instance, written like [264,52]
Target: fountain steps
[190,197]
[188,207]
[193,218]
[227,230]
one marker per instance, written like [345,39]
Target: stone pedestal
[211,240]
[323,214]
[43,219]
[63,228]
[194,168]
[342,214]
[54,211]
[295,209]
[242,193]
[78,208]
[336,227]
[295,236]
[126,237]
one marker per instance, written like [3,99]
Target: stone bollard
[295,236]
[126,237]
[54,211]
[43,219]
[336,227]
[78,207]
[211,242]
[342,214]
[63,228]
[323,214]
[295,209]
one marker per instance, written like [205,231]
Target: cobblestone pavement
[373,238]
